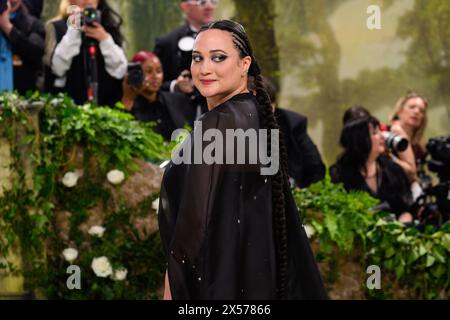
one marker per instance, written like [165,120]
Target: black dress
[393,185]
[216,225]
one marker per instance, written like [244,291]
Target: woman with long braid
[230,232]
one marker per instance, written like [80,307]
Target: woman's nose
[205,67]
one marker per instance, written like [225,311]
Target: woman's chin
[207,92]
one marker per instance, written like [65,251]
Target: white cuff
[172,85]
[115,60]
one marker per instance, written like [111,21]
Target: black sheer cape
[216,225]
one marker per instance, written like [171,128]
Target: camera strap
[91,68]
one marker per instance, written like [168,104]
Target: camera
[395,142]
[436,199]
[135,75]
[439,149]
[90,16]
[3,5]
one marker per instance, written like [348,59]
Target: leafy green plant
[415,261]
[67,139]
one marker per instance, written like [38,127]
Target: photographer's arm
[28,45]
[66,50]
[129,94]
[406,159]
[115,59]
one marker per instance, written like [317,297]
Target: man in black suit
[175,49]
[305,165]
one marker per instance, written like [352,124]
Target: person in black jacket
[175,51]
[35,7]
[304,161]
[69,52]
[169,111]
[26,36]
[363,166]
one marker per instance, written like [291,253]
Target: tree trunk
[258,19]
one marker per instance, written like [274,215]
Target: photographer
[175,51]
[24,35]
[409,120]
[88,62]
[363,167]
[144,99]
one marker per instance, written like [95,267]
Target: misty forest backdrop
[323,56]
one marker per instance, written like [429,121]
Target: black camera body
[90,16]
[439,149]
[135,74]
[3,5]
[436,199]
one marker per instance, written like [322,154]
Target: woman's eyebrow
[217,50]
[211,51]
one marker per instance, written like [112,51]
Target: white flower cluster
[101,265]
[103,269]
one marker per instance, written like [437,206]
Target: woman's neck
[371,167]
[151,97]
[214,102]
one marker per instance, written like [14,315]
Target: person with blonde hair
[63,11]
[409,120]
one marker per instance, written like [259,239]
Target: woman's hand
[96,32]
[406,217]
[184,83]
[167,293]
[5,22]
[129,94]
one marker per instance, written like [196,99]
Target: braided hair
[267,119]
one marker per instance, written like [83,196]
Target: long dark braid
[268,121]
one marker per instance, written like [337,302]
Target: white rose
[70,254]
[101,266]
[97,231]
[309,231]
[120,275]
[70,179]
[55,102]
[115,176]
[155,205]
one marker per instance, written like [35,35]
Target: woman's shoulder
[176,97]
[239,112]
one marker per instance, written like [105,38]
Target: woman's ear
[246,63]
